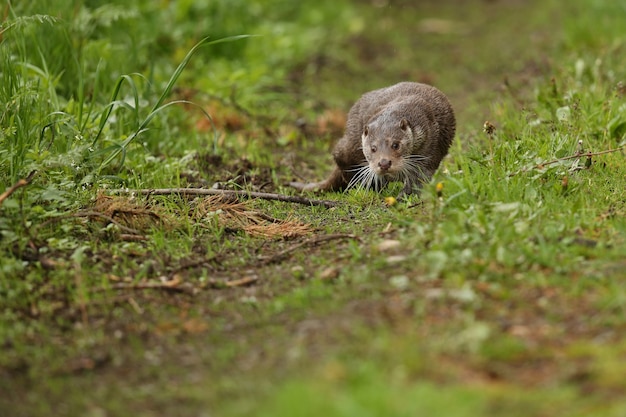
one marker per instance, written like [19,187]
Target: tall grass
[66,75]
[142,123]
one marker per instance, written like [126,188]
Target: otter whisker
[363,164]
[360,176]
[413,171]
[376,182]
[366,178]
[415,159]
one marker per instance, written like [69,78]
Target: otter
[397,133]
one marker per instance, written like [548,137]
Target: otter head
[389,146]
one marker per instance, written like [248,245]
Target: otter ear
[366,131]
[404,125]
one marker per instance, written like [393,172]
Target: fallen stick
[21,183]
[128,237]
[166,286]
[175,287]
[241,282]
[240,193]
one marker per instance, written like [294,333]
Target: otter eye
[395,146]
[374,149]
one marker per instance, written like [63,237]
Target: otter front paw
[410,188]
[305,186]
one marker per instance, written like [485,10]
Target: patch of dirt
[543,322]
[239,171]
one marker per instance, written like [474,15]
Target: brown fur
[398,133]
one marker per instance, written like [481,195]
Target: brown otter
[398,133]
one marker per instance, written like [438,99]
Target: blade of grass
[158,106]
[106,113]
[92,103]
[203,42]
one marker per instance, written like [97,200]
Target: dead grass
[229,213]
[236,215]
[131,212]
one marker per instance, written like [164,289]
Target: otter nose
[384,164]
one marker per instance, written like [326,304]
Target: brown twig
[166,286]
[21,183]
[196,263]
[240,193]
[566,158]
[129,237]
[241,281]
[313,241]
[108,218]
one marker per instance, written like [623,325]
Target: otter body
[398,133]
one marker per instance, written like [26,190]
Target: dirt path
[473,50]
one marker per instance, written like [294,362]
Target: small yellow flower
[390,201]
[439,188]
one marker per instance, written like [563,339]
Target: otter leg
[414,185]
[336,181]
[307,186]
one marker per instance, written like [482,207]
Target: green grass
[503,295]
